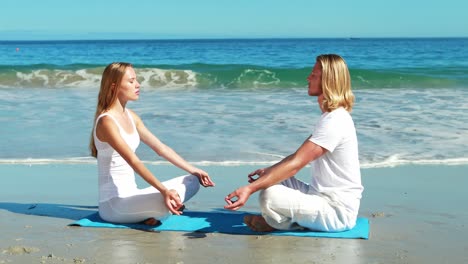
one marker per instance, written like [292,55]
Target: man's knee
[269,195]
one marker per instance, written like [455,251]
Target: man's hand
[238,198]
[259,173]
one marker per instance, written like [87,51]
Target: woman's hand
[172,201]
[203,177]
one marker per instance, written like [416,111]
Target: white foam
[394,162]
[31,161]
[262,78]
[391,162]
[86,78]
[89,160]
[33,77]
[160,78]
[58,78]
[89,79]
[266,154]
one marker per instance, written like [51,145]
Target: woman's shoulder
[136,118]
[133,113]
[106,120]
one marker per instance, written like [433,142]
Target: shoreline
[417,215]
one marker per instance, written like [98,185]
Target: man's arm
[282,170]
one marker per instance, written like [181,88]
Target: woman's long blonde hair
[336,83]
[111,79]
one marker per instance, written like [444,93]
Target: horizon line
[231,38]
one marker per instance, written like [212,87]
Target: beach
[231,106]
[417,213]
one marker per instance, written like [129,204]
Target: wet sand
[418,214]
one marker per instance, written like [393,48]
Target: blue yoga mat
[219,222]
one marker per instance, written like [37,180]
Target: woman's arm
[168,153]
[108,131]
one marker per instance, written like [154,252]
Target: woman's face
[129,89]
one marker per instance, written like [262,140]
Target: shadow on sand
[66,211]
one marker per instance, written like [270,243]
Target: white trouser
[292,204]
[147,203]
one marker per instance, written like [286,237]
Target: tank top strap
[115,120]
[97,120]
[109,115]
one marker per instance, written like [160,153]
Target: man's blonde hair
[336,83]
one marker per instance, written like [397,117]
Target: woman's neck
[118,107]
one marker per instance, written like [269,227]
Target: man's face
[315,81]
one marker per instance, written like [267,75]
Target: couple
[329,203]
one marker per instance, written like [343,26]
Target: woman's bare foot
[151,222]
[257,223]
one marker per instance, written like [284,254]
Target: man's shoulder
[337,114]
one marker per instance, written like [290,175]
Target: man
[331,201]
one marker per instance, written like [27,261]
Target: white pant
[147,203]
[293,205]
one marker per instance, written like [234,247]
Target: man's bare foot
[151,222]
[257,223]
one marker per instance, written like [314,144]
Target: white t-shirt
[337,173]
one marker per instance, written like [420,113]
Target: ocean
[237,101]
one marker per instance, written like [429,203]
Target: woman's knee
[192,181]
[192,186]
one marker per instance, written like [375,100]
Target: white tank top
[116,177]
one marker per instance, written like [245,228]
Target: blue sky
[116,19]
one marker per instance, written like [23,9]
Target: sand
[418,214]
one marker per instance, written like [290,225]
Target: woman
[116,135]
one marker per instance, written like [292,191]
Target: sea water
[237,101]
